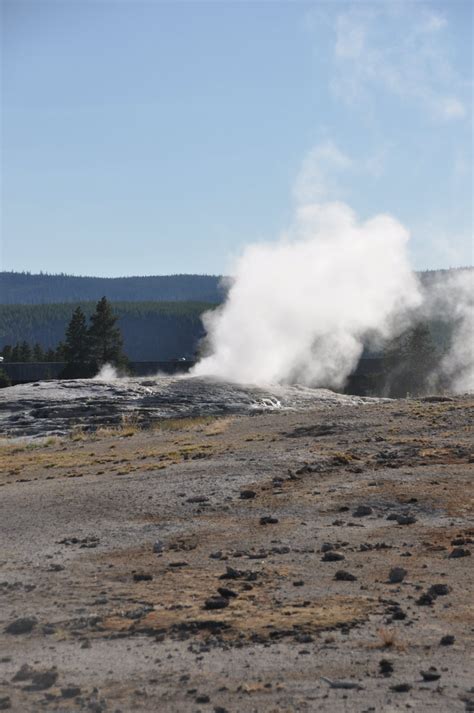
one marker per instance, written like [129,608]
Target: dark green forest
[26,288]
[151,330]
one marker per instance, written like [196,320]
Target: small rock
[459,552]
[405,519]
[216,555]
[425,600]
[142,577]
[24,673]
[386,667]
[227,593]
[439,590]
[203,698]
[343,576]
[70,691]
[22,626]
[430,675]
[197,499]
[158,547]
[41,680]
[447,640]
[298,583]
[55,568]
[400,687]
[268,520]
[362,511]
[247,494]
[397,575]
[326,546]
[332,556]
[216,603]
[5,703]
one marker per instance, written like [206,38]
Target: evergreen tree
[38,353]
[50,355]
[105,337]
[7,352]
[25,353]
[76,348]
[16,353]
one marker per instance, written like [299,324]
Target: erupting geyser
[301,309]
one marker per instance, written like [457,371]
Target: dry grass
[389,639]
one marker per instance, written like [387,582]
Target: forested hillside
[26,288]
[151,330]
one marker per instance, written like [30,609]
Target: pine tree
[25,352]
[105,337]
[7,352]
[76,345]
[76,348]
[38,353]
[15,353]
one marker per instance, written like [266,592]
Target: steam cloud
[451,298]
[300,310]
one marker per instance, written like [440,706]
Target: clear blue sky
[160,137]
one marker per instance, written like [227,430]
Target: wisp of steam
[299,310]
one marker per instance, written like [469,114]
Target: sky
[148,137]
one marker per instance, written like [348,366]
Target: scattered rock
[362,511]
[22,626]
[439,590]
[158,547]
[216,603]
[41,680]
[385,667]
[268,520]
[425,600]
[70,691]
[227,593]
[459,552]
[343,576]
[400,687]
[5,703]
[346,685]
[247,494]
[332,556]
[142,577]
[431,674]
[447,640]
[298,583]
[203,698]
[198,499]
[24,673]
[397,575]
[405,519]
[56,568]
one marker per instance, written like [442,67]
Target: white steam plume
[299,309]
[451,299]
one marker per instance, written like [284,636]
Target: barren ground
[109,624]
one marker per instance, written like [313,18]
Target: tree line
[151,331]
[27,288]
[86,346]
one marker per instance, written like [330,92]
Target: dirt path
[243,564]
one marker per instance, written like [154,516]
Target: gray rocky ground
[317,560]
